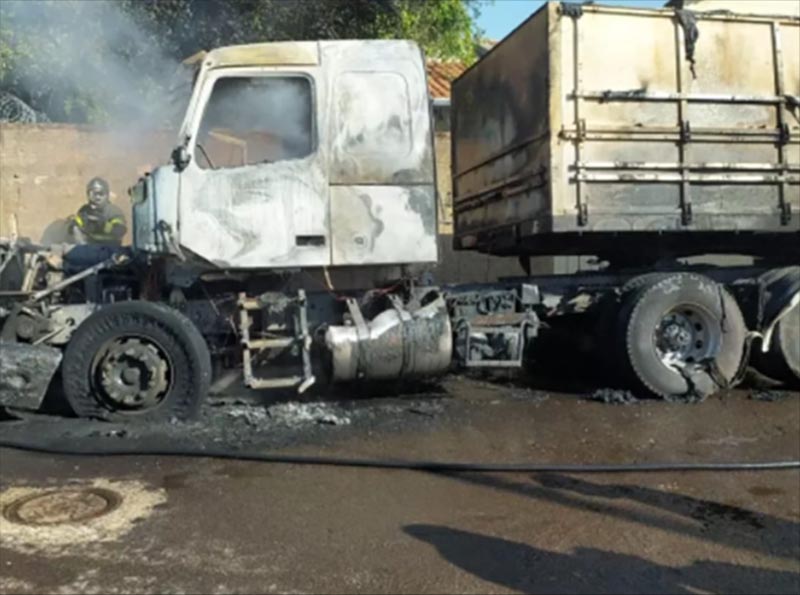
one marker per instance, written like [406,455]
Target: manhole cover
[72,505]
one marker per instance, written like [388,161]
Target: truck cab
[298,154]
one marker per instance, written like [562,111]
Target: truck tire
[782,361]
[136,361]
[681,337]
[638,283]
[607,321]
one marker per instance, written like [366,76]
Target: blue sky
[499,18]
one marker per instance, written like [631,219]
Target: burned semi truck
[296,160]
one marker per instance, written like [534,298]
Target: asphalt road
[201,525]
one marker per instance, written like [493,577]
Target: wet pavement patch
[710,512]
[57,519]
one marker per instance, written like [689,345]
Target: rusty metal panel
[383,224]
[500,132]
[737,59]
[645,131]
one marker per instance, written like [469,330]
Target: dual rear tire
[679,336]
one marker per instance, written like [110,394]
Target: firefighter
[98,221]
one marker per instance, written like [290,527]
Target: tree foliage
[90,60]
[444,28]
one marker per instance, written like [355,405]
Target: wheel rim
[132,373]
[686,335]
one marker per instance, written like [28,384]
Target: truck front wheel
[136,361]
[682,336]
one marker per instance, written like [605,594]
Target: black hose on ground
[411,465]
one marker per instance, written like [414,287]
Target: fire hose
[399,464]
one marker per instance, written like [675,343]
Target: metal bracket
[518,332]
[784,134]
[582,129]
[583,214]
[305,337]
[358,318]
[301,335]
[786,212]
[571,9]
[114,260]
[686,210]
[686,131]
[167,233]
[686,192]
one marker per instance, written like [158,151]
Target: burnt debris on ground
[243,422]
[613,396]
[769,396]
[253,420]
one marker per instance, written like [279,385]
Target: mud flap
[25,373]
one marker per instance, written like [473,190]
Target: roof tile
[440,75]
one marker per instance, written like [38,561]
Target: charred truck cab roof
[299,154]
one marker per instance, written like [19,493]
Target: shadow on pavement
[705,520]
[522,567]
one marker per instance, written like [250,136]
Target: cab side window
[373,113]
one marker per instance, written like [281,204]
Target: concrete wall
[444,182]
[761,7]
[44,169]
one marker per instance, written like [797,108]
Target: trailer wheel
[642,281]
[682,337]
[782,361]
[137,361]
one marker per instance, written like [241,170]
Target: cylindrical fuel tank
[395,344]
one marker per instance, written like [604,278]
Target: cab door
[255,192]
[383,193]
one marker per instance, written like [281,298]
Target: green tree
[444,28]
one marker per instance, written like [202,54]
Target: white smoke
[277,108]
[89,60]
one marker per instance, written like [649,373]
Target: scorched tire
[682,336]
[137,361]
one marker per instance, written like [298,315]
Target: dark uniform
[98,221]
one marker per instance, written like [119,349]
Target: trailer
[300,158]
[631,134]
[641,138]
